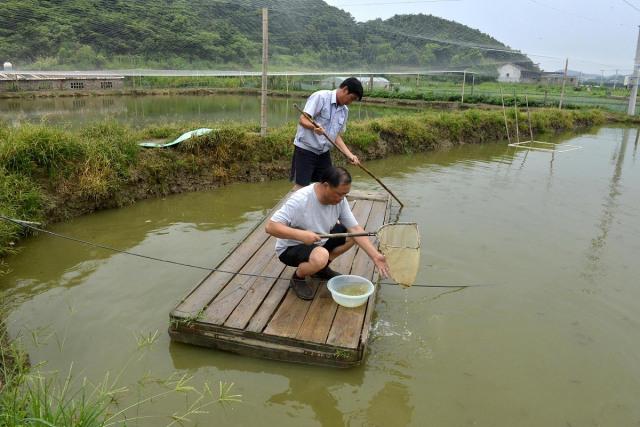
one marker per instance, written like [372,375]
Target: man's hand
[354,160]
[308,237]
[381,262]
[318,130]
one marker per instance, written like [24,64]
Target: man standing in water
[329,110]
[312,210]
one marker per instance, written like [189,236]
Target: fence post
[265,59]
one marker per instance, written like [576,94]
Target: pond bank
[51,174]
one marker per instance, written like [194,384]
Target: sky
[595,35]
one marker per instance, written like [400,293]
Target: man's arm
[365,243]
[306,123]
[282,231]
[343,147]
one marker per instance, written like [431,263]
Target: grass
[33,396]
[52,172]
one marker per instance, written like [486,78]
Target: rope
[30,225]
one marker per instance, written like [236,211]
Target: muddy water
[140,111]
[551,340]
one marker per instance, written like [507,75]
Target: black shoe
[302,289]
[326,274]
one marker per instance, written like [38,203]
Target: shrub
[31,148]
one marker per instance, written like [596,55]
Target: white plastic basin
[348,281]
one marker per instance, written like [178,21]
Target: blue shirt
[323,107]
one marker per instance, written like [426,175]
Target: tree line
[304,34]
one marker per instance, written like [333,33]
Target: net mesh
[400,244]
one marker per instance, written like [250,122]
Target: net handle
[364,233]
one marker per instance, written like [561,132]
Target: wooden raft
[262,317]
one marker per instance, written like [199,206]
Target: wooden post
[371,83]
[631,108]
[526,98]
[464,78]
[564,81]
[473,82]
[515,109]
[504,113]
[265,59]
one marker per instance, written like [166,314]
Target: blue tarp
[183,137]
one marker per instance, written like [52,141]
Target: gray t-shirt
[323,107]
[304,211]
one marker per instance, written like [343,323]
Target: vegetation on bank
[48,174]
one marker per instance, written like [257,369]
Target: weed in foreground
[31,396]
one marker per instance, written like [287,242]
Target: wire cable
[30,225]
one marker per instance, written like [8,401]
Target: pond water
[551,339]
[140,111]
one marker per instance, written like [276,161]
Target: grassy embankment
[48,174]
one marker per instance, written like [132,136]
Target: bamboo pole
[504,113]
[564,82]
[526,99]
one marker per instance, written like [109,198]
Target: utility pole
[615,80]
[601,77]
[265,60]
[564,81]
[631,109]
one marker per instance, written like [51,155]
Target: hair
[354,86]
[336,176]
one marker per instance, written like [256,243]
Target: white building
[7,66]
[378,82]
[509,73]
[512,73]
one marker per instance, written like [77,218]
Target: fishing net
[400,244]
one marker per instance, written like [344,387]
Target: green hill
[304,34]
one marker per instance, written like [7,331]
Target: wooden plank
[289,317]
[271,302]
[368,195]
[209,287]
[214,282]
[229,297]
[318,321]
[256,293]
[348,322]
[256,347]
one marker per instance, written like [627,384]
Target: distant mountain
[303,34]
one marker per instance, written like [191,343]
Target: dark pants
[295,255]
[308,167]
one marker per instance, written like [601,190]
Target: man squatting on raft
[313,209]
[329,110]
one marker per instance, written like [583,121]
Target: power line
[31,226]
[631,5]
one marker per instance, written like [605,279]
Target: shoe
[302,289]
[326,274]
